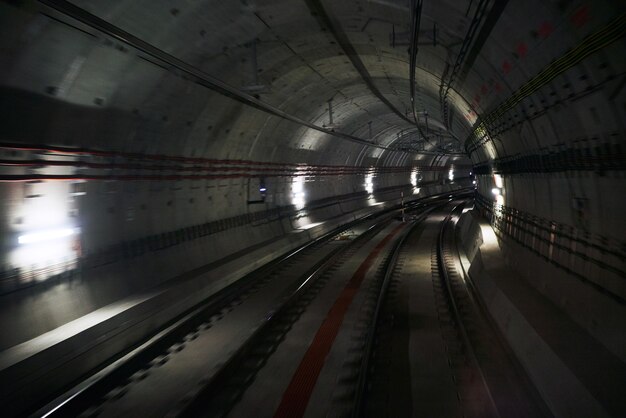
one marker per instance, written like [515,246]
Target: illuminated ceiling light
[41,236]
[495,191]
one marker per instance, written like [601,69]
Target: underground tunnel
[288,208]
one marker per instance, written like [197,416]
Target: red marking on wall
[521,49]
[498,87]
[297,395]
[545,30]
[506,67]
[484,89]
[581,16]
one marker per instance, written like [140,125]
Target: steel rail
[80,397]
[444,272]
[76,400]
[477,299]
[197,406]
[359,401]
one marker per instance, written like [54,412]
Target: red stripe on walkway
[297,395]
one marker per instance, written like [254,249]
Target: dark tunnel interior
[159,154]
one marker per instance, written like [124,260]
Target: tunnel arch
[152,161]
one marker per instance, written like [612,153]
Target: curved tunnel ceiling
[158,138]
[469,57]
[300,63]
[260,80]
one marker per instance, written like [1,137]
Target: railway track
[223,392]
[458,321]
[113,387]
[277,295]
[483,378]
[495,383]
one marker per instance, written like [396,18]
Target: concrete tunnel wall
[137,107]
[133,132]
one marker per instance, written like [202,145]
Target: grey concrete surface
[574,372]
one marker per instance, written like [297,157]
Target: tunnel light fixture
[297,192]
[414,178]
[46,241]
[369,183]
[498,191]
[497,179]
[498,194]
[262,189]
[451,174]
[48,235]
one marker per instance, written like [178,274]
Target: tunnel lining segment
[608,34]
[201,78]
